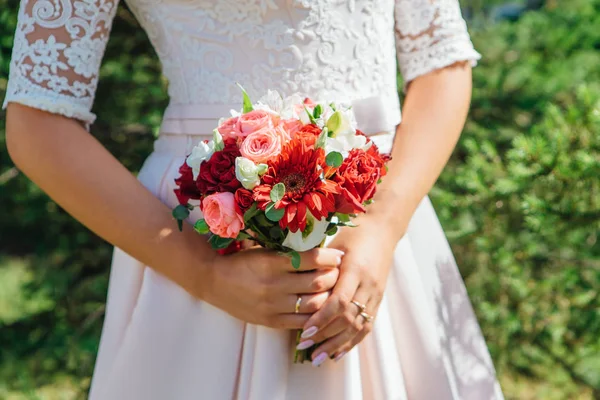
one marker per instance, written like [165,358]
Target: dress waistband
[373,115]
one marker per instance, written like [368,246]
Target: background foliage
[520,201]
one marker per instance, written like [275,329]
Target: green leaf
[334,159]
[247,104]
[332,231]
[181,212]
[274,214]
[219,243]
[251,212]
[180,225]
[277,192]
[201,227]
[295,259]
[320,142]
[343,217]
[317,111]
[276,233]
[242,236]
[349,224]
[262,220]
[310,116]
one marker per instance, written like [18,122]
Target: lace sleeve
[56,56]
[430,34]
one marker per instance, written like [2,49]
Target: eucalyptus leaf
[277,192]
[274,214]
[296,259]
[334,159]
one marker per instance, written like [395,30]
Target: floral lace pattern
[321,48]
[57,52]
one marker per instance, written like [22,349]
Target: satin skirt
[160,343]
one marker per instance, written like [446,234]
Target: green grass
[16,301]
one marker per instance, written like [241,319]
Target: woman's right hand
[261,287]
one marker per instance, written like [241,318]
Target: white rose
[200,153]
[248,173]
[312,236]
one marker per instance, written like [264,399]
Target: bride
[185,323]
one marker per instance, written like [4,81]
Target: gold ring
[359,305]
[367,317]
[297,310]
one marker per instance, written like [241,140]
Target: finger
[309,303]
[308,282]
[309,260]
[343,321]
[338,354]
[332,345]
[337,304]
[337,346]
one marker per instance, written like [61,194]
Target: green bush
[520,201]
[521,197]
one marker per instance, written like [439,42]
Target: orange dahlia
[300,169]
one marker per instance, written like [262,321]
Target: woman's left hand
[342,322]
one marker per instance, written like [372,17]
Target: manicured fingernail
[339,356]
[320,359]
[341,252]
[338,261]
[305,345]
[309,332]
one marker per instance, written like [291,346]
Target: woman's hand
[261,287]
[338,325]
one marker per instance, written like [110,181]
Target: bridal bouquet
[285,173]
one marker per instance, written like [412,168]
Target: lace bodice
[326,49]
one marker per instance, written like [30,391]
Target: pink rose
[220,215]
[228,129]
[292,126]
[263,145]
[253,121]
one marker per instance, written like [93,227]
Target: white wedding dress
[160,343]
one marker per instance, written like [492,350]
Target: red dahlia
[299,168]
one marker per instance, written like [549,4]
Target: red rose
[234,247]
[358,177]
[218,173]
[308,134]
[243,200]
[187,187]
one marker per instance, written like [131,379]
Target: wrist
[200,263]
[387,222]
